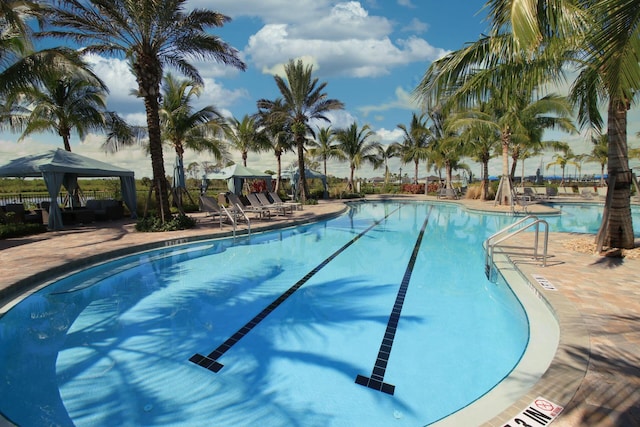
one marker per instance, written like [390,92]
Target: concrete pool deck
[601,296]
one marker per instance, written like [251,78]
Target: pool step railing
[496,242]
[234,214]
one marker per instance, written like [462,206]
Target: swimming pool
[312,310]
[583,217]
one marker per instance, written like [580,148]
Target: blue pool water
[115,344]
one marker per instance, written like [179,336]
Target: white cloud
[406,3]
[268,10]
[389,136]
[118,78]
[404,100]
[220,97]
[272,45]
[416,26]
[344,21]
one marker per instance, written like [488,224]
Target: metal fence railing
[34,198]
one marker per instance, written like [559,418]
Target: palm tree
[280,139]
[563,160]
[151,34]
[600,154]
[601,38]
[533,118]
[383,156]
[415,141]
[480,135]
[324,147]
[303,100]
[66,102]
[246,136]
[183,128]
[20,65]
[356,148]
[447,146]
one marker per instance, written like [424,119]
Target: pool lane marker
[376,380]
[210,361]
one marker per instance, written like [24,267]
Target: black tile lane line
[376,380]
[210,361]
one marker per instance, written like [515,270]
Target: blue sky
[371,53]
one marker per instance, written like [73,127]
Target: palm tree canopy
[184,128]
[303,100]
[64,102]
[149,33]
[246,136]
[356,147]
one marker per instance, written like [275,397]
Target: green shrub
[154,223]
[20,229]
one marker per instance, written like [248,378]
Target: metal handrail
[237,209]
[494,240]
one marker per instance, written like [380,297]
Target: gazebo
[62,168]
[236,174]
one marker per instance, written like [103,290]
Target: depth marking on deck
[376,380]
[210,361]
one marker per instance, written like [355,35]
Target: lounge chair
[447,193]
[275,207]
[540,192]
[237,205]
[587,194]
[276,199]
[211,208]
[530,194]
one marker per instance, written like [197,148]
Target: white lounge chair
[211,208]
[276,199]
[238,205]
[275,207]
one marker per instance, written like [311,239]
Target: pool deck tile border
[596,304]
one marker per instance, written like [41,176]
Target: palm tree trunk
[619,230]
[279,161]
[65,141]
[503,196]
[304,188]
[157,160]
[415,180]
[484,193]
[350,186]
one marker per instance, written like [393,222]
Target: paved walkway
[604,292]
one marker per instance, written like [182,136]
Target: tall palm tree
[447,147]
[151,34]
[247,136]
[281,139]
[357,148]
[182,128]
[303,101]
[600,154]
[415,141]
[611,72]
[384,154]
[601,37]
[324,147]
[562,160]
[534,117]
[21,67]
[66,102]
[480,135]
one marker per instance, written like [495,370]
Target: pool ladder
[233,215]
[495,242]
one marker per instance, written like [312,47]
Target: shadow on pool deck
[604,292]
